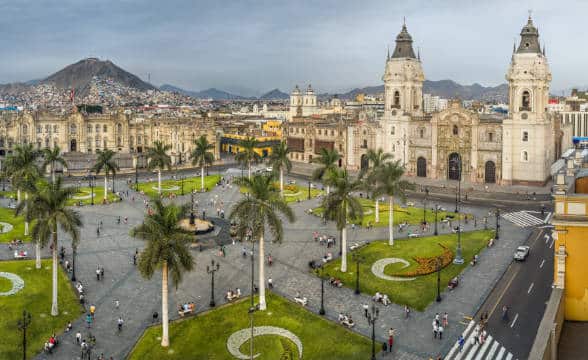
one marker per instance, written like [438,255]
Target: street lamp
[436,211]
[211,270]
[308,189]
[23,324]
[358,259]
[372,316]
[458,256]
[136,161]
[425,207]
[438,279]
[497,223]
[322,276]
[182,177]
[74,250]
[91,183]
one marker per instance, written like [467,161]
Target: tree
[105,162]
[389,182]
[376,158]
[167,248]
[159,159]
[201,156]
[327,159]
[48,204]
[279,161]
[52,157]
[342,206]
[24,172]
[260,208]
[247,155]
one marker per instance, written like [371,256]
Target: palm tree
[48,204]
[279,160]
[51,157]
[260,208]
[328,159]
[389,182]
[27,211]
[201,156]
[167,248]
[341,205]
[105,162]
[248,155]
[376,158]
[157,157]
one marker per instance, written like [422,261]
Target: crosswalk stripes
[523,218]
[490,350]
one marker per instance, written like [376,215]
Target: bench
[302,301]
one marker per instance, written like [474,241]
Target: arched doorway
[365,162]
[454,166]
[490,172]
[340,162]
[421,167]
[73,145]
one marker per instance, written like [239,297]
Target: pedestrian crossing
[490,350]
[524,218]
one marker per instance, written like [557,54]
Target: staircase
[490,350]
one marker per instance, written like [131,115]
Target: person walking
[445,320]
[435,329]
[102,272]
[406,311]
[460,342]
[365,308]
[440,332]
[505,313]
[88,320]
[78,338]
[97,231]
[120,322]
[92,310]
[98,273]
[116,304]
[391,333]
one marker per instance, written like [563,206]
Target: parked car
[521,253]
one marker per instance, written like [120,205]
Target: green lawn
[35,297]
[295,193]
[423,290]
[205,336]
[411,215]
[7,216]
[175,186]
[85,193]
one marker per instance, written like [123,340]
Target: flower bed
[428,265]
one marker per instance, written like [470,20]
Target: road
[525,289]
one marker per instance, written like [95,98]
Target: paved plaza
[139,298]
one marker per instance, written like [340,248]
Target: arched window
[104,128]
[396,98]
[97,142]
[524,156]
[490,136]
[455,130]
[46,142]
[526,100]
[97,128]
[119,128]
[119,141]
[421,133]
[525,136]
[25,130]
[393,130]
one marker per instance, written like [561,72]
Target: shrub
[428,265]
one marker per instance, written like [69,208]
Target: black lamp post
[308,189]
[113,178]
[436,211]
[91,183]
[458,256]
[23,324]
[74,250]
[497,223]
[425,208]
[211,270]
[136,173]
[438,279]
[357,258]
[182,179]
[372,316]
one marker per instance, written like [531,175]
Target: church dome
[296,91]
[403,47]
[529,39]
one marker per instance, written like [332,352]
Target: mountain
[175,89]
[446,89]
[79,76]
[274,94]
[211,93]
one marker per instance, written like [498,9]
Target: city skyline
[335,46]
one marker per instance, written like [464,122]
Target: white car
[409,203]
[521,253]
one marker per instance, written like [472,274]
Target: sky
[252,46]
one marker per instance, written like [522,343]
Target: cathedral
[459,143]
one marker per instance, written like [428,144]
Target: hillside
[274,94]
[79,76]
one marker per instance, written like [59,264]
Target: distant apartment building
[433,104]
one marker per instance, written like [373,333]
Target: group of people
[232,295]
[99,273]
[439,325]
[381,298]
[346,320]
[14,243]
[50,343]
[323,239]
[186,308]
[335,282]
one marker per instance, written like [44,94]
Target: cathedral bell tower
[528,145]
[403,96]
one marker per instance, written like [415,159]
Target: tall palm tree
[279,161]
[167,248]
[27,211]
[342,206]
[389,182]
[52,157]
[327,159]
[48,204]
[24,172]
[260,208]
[248,156]
[158,158]
[376,158]
[202,156]
[105,162]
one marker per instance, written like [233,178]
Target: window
[396,98]
[332,132]
[25,130]
[365,144]
[455,130]
[526,101]
[119,126]
[55,128]
[524,156]
[89,129]
[105,142]
[393,130]
[47,128]
[97,128]
[97,142]
[139,140]
[73,128]
[393,147]
[422,133]
[490,136]
[525,136]
[119,142]
[104,128]
[46,142]
[39,129]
